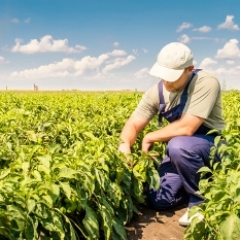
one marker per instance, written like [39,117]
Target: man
[191,102]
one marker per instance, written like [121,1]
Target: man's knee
[176,147]
[169,193]
[156,201]
[159,201]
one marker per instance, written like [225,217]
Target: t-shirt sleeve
[148,106]
[203,97]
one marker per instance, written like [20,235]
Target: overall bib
[185,155]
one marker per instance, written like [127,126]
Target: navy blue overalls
[185,155]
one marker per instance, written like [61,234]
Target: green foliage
[61,175]
[221,209]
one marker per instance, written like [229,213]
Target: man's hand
[130,132]
[146,144]
[124,148]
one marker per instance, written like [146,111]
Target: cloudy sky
[112,44]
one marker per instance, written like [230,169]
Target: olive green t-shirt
[204,100]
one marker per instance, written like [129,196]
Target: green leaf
[90,223]
[31,229]
[90,135]
[4,173]
[138,176]
[31,204]
[205,169]
[153,178]
[138,190]
[108,205]
[25,166]
[119,232]
[230,228]
[69,230]
[42,168]
[48,200]
[68,173]
[89,183]
[115,193]
[55,191]
[66,188]
[45,160]
[37,175]
[52,221]
[106,222]
[101,178]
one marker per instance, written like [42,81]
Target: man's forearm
[128,134]
[168,132]
[186,126]
[128,137]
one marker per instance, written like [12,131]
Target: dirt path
[156,225]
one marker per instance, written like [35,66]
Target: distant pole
[224,86]
[35,87]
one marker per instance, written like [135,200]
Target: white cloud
[89,63]
[15,20]
[229,24]
[117,63]
[46,44]
[52,70]
[228,71]
[144,72]
[3,60]
[184,25]
[116,44]
[80,48]
[97,66]
[229,51]
[203,29]
[27,20]
[207,63]
[117,53]
[184,39]
[230,62]
[194,62]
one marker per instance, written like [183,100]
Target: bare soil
[156,225]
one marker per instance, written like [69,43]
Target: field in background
[62,178]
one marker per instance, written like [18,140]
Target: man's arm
[130,132]
[185,126]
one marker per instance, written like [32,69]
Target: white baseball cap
[171,61]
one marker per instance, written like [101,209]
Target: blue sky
[111,45]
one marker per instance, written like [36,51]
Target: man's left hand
[146,144]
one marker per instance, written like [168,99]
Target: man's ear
[191,68]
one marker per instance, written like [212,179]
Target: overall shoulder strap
[160,92]
[185,92]
[162,102]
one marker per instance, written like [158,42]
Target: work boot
[185,220]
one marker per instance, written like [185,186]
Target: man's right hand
[124,148]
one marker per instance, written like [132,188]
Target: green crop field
[61,175]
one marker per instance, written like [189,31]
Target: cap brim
[167,74]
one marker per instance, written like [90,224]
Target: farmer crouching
[190,100]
